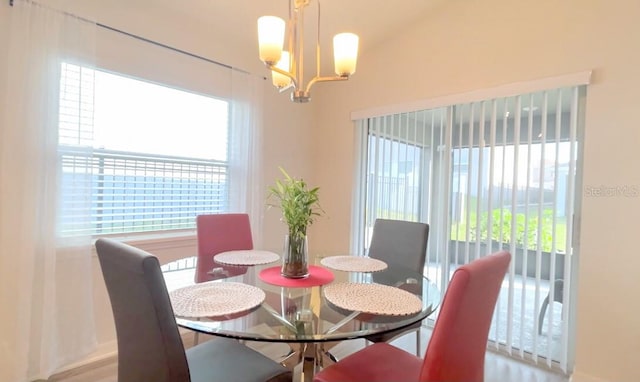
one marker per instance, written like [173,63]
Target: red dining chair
[219,233]
[458,342]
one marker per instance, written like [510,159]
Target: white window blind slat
[491,191]
[406,192]
[444,166]
[469,184]
[386,144]
[573,132]
[460,185]
[394,158]
[505,228]
[480,175]
[554,229]
[418,164]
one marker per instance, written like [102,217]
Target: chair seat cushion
[379,362]
[227,360]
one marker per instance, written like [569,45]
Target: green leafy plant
[300,206]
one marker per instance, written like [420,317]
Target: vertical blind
[488,175]
[400,153]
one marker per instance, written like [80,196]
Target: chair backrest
[220,233]
[149,344]
[459,339]
[401,243]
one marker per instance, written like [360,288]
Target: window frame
[87,161]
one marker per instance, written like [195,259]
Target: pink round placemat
[317,276]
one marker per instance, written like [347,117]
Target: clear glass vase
[295,257]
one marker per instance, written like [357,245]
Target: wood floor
[498,368]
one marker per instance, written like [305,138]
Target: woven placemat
[353,263]
[246,257]
[215,299]
[373,298]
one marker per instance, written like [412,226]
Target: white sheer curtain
[45,282]
[245,149]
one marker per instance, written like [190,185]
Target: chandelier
[287,66]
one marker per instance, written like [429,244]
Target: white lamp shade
[270,38]
[345,53]
[280,80]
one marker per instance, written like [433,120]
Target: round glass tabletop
[304,314]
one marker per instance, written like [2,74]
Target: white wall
[469,45]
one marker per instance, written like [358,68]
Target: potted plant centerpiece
[300,206]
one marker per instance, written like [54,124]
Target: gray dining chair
[150,347]
[400,244]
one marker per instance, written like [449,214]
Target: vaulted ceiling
[372,20]
[236,20]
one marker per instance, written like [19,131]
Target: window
[488,175]
[137,156]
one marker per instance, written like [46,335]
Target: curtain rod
[156,43]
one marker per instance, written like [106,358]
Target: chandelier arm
[318,44]
[299,51]
[291,27]
[285,88]
[324,79]
[284,73]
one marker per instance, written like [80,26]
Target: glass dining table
[300,314]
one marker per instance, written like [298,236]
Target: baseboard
[106,354]
[85,366]
[579,377]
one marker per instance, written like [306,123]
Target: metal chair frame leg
[557,297]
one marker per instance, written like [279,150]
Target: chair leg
[327,353]
[331,356]
[196,337]
[543,310]
[290,360]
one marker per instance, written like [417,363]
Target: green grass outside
[526,229]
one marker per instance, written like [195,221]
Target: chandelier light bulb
[270,38]
[345,53]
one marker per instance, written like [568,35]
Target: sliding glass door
[489,175]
